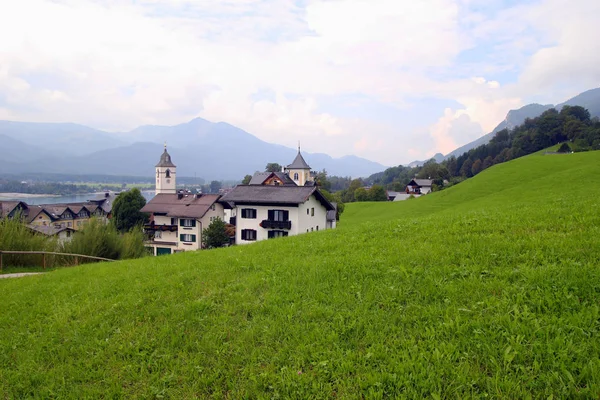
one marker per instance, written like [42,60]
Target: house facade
[177,219]
[52,217]
[269,211]
[419,186]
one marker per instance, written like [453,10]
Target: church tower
[299,170]
[165,174]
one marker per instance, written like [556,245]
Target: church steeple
[299,170]
[165,174]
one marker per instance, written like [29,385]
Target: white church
[273,204]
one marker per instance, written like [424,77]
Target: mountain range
[199,148]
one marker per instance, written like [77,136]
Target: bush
[16,236]
[564,148]
[215,235]
[100,239]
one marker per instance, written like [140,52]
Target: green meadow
[490,288]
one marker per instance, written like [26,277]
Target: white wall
[308,222]
[300,219]
[196,230]
[262,213]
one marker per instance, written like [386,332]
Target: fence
[45,253]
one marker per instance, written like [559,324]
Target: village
[270,205]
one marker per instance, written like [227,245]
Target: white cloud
[116,65]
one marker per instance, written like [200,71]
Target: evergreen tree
[215,235]
[126,212]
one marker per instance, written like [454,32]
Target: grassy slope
[490,287]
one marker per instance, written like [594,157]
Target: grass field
[488,289]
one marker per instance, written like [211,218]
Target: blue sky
[389,80]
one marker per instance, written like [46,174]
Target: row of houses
[272,205]
[60,220]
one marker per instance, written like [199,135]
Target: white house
[270,211]
[419,186]
[177,219]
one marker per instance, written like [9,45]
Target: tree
[488,162]
[215,235]
[465,170]
[377,193]
[361,194]
[564,148]
[321,180]
[126,208]
[273,167]
[215,186]
[476,167]
[246,179]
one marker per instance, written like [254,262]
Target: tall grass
[16,236]
[101,239]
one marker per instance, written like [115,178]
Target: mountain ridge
[199,148]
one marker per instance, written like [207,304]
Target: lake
[75,198]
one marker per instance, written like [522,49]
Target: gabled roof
[260,178]
[165,160]
[188,206]
[267,194]
[8,207]
[299,162]
[35,211]
[420,182]
[49,230]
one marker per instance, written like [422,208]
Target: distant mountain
[199,148]
[438,157]
[60,138]
[589,99]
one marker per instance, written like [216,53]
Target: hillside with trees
[572,126]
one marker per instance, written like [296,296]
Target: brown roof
[6,207]
[266,194]
[49,230]
[188,206]
[34,211]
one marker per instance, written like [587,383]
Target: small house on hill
[419,186]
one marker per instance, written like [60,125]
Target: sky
[389,80]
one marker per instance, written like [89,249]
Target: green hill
[489,288]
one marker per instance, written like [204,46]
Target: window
[295,176]
[186,237]
[173,222]
[187,223]
[276,234]
[249,213]
[312,212]
[167,173]
[68,233]
[82,214]
[317,227]
[248,234]
[311,229]
[279,215]
[67,215]
[213,207]
[69,224]
[307,211]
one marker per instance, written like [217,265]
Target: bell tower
[165,174]
[299,170]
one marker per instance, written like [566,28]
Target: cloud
[118,64]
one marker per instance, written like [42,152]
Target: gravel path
[20,274]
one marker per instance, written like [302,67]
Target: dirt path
[18,275]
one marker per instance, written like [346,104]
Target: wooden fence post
[44,260]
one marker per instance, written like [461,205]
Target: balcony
[162,228]
[268,224]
